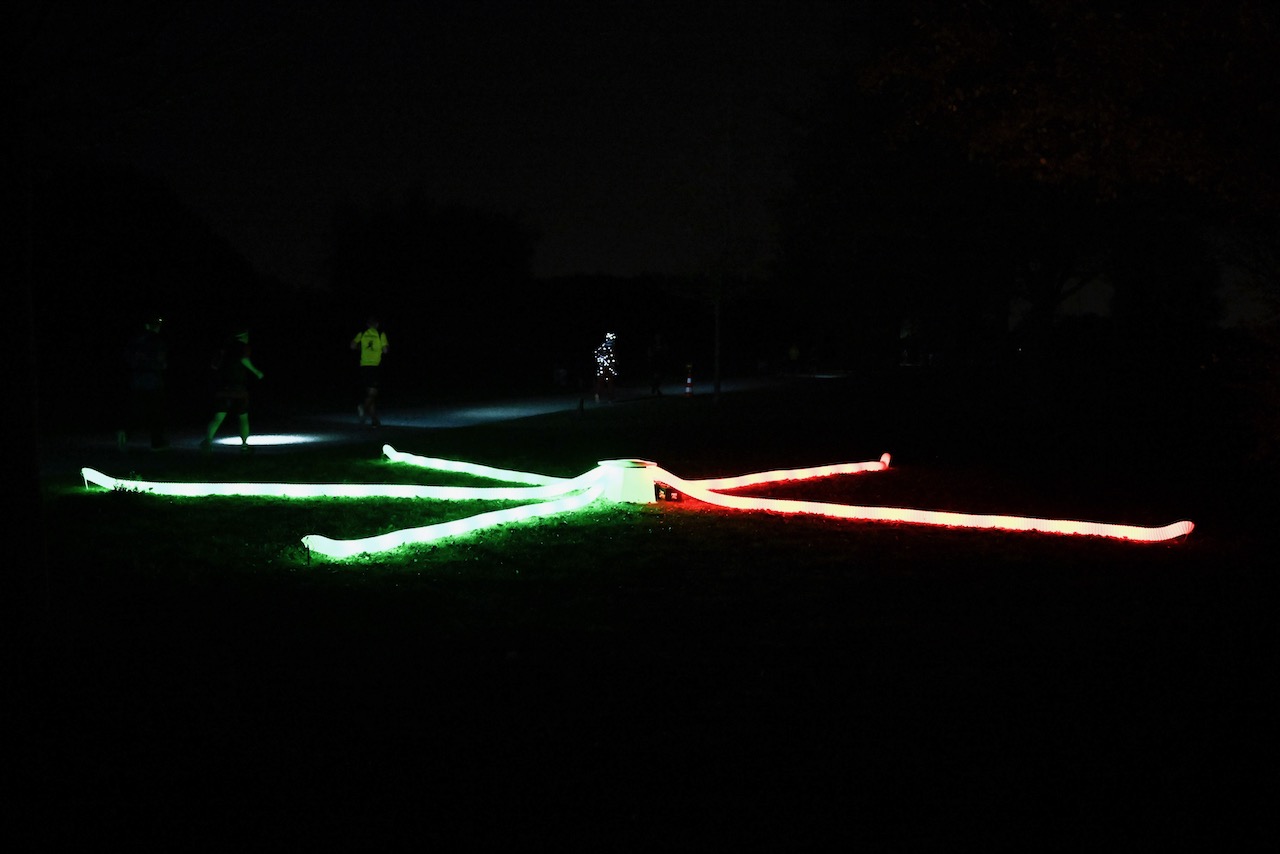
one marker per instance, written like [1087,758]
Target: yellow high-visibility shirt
[371,343]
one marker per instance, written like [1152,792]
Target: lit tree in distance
[619,481]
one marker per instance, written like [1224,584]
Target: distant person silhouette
[372,345]
[147,360]
[606,367]
[231,388]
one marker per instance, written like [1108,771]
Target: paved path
[63,456]
[469,414]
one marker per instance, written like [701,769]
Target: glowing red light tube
[1137,533]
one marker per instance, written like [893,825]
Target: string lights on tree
[606,366]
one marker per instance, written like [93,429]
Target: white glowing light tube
[470,468]
[340,549]
[335,490]
[556,495]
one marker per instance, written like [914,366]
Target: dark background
[506,182]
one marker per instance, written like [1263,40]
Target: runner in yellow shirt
[372,345]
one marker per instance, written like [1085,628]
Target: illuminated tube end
[97,478]
[329,547]
[1171,531]
[884,459]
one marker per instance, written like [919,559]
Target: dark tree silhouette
[111,246]
[1104,93]
[983,150]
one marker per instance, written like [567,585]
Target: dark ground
[795,702]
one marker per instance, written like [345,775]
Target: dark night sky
[633,137]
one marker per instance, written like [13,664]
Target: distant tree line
[971,154]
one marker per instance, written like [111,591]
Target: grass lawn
[673,675]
